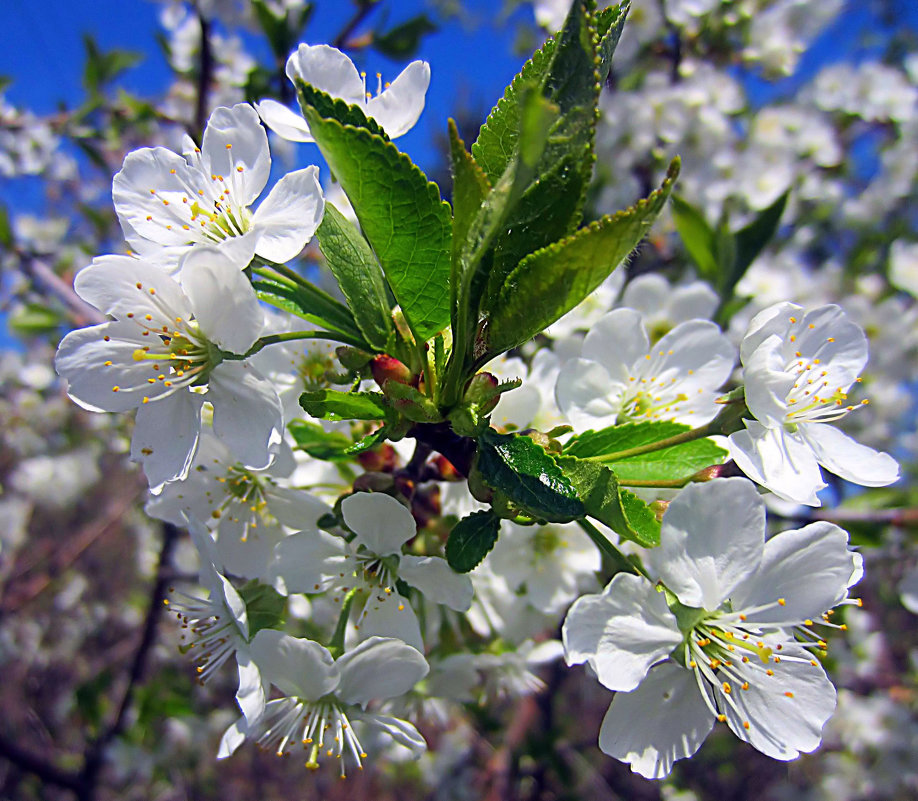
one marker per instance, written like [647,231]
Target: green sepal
[471,539]
[522,471]
[411,403]
[264,606]
[354,266]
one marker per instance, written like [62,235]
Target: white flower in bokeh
[315,561]
[621,377]
[798,367]
[396,106]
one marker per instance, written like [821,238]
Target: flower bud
[386,368]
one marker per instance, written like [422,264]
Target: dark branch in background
[364,7]
[675,52]
[83,783]
[46,280]
[96,752]
[886,517]
[205,75]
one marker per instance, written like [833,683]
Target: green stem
[289,336]
[336,646]
[675,483]
[601,541]
[677,439]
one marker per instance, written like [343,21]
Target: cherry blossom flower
[314,561]
[396,106]
[324,697]
[249,511]
[713,641]
[798,367]
[168,203]
[620,377]
[164,354]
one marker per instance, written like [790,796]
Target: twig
[205,73]
[96,752]
[45,278]
[364,7]
[47,771]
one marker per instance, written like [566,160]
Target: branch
[96,752]
[364,7]
[205,73]
[47,771]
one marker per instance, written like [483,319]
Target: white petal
[695,346]
[437,581]
[711,540]
[234,138]
[297,667]
[308,561]
[777,460]
[246,550]
[809,568]
[233,601]
[224,303]
[390,615]
[586,394]
[119,285]
[828,334]
[379,521]
[398,107]
[166,436]
[232,738]
[647,294]
[288,217]
[377,669]
[772,321]
[251,693]
[294,507]
[399,730]
[149,177]
[845,457]
[663,720]
[328,69]
[622,632]
[617,341]
[767,385]
[83,359]
[248,416]
[287,124]
[786,711]
[693,301]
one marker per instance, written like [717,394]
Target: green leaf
[553,280]
[470,187]
[33,319]
[401,214]
[403,40]
[327,404]
[698,237]
[669,464]
[369,441]
[104,67]
[610,23]
[751,240]
[319,443]
[471,540]
[354,266]
[312,304]
[264,606]
[528,476]
[6,228]
[551,206]
[334,108]
[597,488]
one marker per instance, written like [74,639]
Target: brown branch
[205,75]
[364,7]
[96,752]
[45,770]
[52,284]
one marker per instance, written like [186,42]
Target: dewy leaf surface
[471,539]
[528,476]
[401,215]
[553,280]
[597,488]
[354,266]
[668,464]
